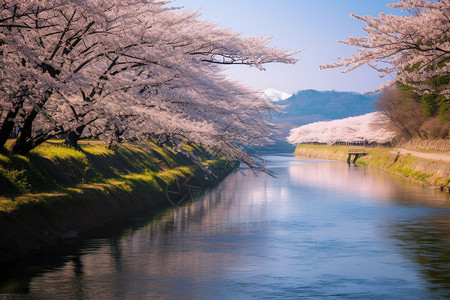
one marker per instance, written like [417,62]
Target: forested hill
[309,106]
[327,105]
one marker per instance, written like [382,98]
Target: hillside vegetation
[57,192]
[55,167]
[326,105]
[424,171]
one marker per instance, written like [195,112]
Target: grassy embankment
[428,172]
[56,192]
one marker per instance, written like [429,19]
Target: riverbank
[56,193]
[429,172]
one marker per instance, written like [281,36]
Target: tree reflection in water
[319,229]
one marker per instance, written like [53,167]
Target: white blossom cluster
[414,49]
[127,70]
[366,128]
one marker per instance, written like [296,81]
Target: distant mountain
[329,105]
[309,106]
[275,95]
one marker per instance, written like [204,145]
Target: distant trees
[368,128]
[407,116]
[415,51]
[127,71]
[403,111]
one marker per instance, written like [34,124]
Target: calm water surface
[321,230]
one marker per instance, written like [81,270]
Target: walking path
[427,155]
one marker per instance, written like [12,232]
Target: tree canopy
[128,70]
[414,49]
[366,128]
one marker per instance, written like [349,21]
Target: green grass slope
[57,192]
[424,171]
[434,173]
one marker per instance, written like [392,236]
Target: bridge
[356,153]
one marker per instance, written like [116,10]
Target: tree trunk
[32,142]
[5,131]
[8,125]
[74,136]
[24,143]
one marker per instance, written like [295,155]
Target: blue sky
[314,25]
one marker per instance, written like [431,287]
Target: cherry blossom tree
[369,127]
[162,61]
[127,70]
[19,81]
[413,49]
[45,38]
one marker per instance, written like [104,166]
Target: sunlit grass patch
[74,192]
[4,158]
[400,165]
[406,172]
[378,158]
[146,179]
[416,175]
[8,205]
[446,182]
[361,162]
[147,175]
[121,185]
[171,175]
[164,153]
[136,159]
[187,147]
[58,151]
[96,186]
[95,149]
[209,162]
[38,198]
[421,176]
[41,199]
[442,182]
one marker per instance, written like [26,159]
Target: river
[319,230]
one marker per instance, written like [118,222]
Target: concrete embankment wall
[91,188]
[325,152]
[434,173]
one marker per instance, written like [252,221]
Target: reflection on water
[363,182]
[319,230]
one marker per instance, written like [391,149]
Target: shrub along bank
[434,173]
[57,192]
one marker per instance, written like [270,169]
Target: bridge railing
[357,151]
